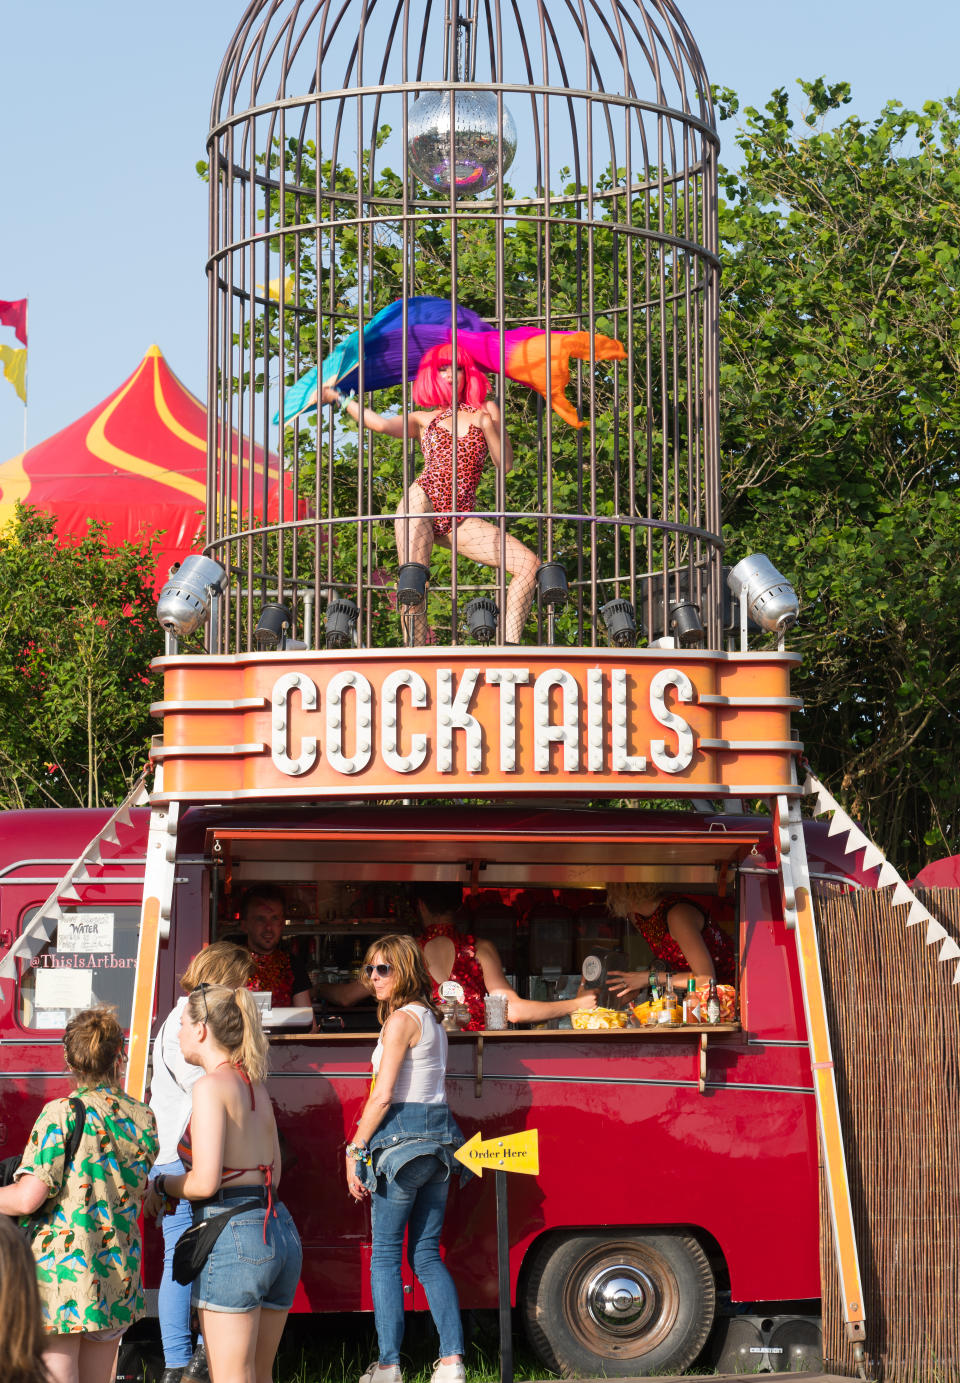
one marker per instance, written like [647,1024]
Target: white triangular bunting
[949,950]
[823,803]
[917,913]
[109,833]
[856,841]
[872,856]
[143,795]
[935,931]
[92,855]
[956,975]
[888,875]
[122,817]
[69,892]
[901,894]
[840,822]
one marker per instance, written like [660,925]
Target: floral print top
[85,1237]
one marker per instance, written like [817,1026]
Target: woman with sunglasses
[231,1153]
[83,1213]
[171,1090]
[401,1156]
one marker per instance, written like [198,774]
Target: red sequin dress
[436,478]
[467,971]
[667,953]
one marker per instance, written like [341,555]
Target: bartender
[278,971]
[681,935]
[475,963]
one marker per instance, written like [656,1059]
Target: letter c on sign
[671,763]
[280,721]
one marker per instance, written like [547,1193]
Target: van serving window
[90,959]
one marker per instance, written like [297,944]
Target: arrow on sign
[514,1152]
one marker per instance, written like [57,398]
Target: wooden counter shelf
[647,1033]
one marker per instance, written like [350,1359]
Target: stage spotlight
[341,626]
[620,619]
[482,616]
[272,628]
[552,583]
[770,598]
[184,601]
[412,581]
[686,624]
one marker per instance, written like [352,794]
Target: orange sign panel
[422,722]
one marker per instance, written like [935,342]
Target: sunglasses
[201,989]
[383,971]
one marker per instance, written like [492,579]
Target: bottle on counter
[713,1004]
[655,1001]
[668,1011]
[691,1006]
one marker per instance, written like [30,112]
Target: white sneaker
[382,1373]
[448,1373]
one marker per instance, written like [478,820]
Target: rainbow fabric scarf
[526,353]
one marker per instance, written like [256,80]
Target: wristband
[359,1152]
[160,1183]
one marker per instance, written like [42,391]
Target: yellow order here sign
[514,1152]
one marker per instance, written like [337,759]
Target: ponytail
[234,1020]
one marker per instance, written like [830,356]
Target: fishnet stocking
[481,542]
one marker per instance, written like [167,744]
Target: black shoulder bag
[9,1166]
[196,1244]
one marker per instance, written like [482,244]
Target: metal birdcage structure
[550,166]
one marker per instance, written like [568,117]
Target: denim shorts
[243,1272]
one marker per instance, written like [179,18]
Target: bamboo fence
[895,1028]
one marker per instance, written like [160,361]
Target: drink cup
[495,1011]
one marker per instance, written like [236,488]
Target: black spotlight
[620,618]
[412,581]
[272,629]
[481,616]
[686,624]
[341,626]
[552,583]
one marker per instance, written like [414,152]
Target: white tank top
[423,1071]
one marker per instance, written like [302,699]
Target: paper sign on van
[89,931]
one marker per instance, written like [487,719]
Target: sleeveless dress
[666,952]
[436,478]
[467,971]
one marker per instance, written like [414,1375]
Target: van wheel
[621,1305]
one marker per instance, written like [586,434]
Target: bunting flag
[528,354]
[41,927]
[15,369]
[873,858]
[276,286]
[14,314]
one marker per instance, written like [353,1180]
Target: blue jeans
[173,1300]
[415,1200]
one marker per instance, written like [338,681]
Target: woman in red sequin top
[683,939]
[476,965]
[426,514]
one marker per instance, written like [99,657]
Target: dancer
[476,423]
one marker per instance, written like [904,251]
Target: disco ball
[476,166]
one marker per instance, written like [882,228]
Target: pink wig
[430,391]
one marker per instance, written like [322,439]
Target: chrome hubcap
[620,1297]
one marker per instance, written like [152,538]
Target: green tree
[840,431]
[77,633]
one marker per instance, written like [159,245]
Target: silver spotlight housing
[184,601]
[771,600]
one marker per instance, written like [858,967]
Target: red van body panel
[627,1139]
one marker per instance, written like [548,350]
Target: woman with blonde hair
[231,1153]
[402,1157]
[21,1339]
[170,1098]
[83,1227]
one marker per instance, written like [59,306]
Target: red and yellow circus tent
[137,462]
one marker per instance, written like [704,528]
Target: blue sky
[106,107]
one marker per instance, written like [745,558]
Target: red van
[678,1167]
